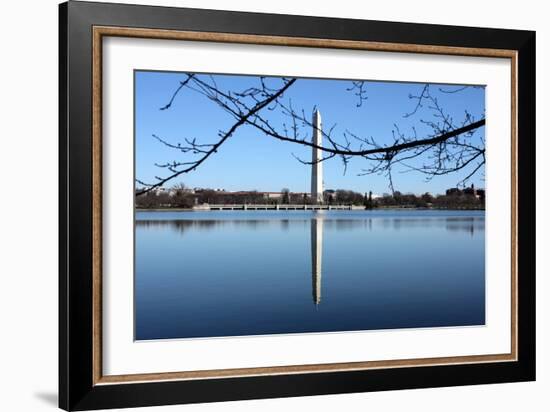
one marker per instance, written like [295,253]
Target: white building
[316,156]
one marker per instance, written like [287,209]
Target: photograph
[270,205]
[288,203]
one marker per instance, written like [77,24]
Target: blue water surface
[234,273]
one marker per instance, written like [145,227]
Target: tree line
[181,197]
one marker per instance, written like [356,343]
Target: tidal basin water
[234,273]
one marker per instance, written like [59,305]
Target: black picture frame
[77,390]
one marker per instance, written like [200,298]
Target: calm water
[228,273]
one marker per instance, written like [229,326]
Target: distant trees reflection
[451,224]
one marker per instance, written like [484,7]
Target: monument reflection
[317,225]
[316,258]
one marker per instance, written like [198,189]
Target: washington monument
[316,156]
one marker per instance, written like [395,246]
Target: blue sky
[250,160]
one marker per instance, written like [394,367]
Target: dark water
[204,274]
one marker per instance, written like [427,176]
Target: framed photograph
[257,205]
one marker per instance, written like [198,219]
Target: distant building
[453,191]
[468,191]
[159,191]
[272,195]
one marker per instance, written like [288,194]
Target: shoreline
[301,210]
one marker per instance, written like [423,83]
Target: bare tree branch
[243,119]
